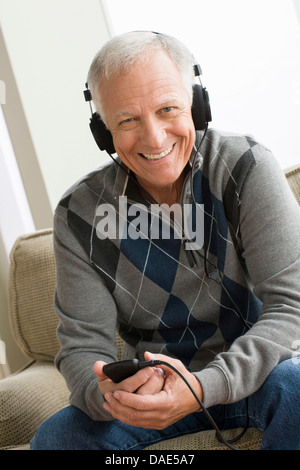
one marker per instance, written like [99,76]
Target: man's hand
[149,380]
[152,406]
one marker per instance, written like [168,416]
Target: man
[225,314]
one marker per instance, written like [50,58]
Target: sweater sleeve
[269,228]
[87,320]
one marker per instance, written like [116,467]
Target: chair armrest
[27,399]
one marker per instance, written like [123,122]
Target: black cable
[207,414]
[121,370]
[132,178]
[215,277]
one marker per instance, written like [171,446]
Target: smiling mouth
[157,156]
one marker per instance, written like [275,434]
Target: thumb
[149,356]
[159,357]
[98,369]
[169,360]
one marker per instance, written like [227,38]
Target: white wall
[50,44]
[46,47]
[15,217]
[249,52]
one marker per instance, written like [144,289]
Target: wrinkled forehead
[150,67]
[145,77]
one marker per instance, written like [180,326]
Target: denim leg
[276,407]
[71,429]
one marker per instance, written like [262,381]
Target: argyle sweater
[149,290]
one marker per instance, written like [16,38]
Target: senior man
[224,313]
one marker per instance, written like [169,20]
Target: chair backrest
[31,295]
[32,286]
[293,177]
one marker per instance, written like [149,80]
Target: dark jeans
[274,409]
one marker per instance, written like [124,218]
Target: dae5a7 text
[170,459]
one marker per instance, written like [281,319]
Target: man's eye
[168,109]
[126,121]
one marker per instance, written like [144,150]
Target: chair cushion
[293,177]
[27,399]
[207,440]
[31,295]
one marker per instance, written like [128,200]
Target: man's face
[148,112]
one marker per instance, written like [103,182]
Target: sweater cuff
[94,402]
[214,385]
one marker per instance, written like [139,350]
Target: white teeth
[150,156]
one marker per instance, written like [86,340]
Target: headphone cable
[206,260]
[157,362]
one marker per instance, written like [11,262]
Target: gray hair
[121,52]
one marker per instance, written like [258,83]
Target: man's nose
[153,133]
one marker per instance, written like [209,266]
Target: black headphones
[201,114]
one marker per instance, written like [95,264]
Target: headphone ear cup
[201,111]
[101,134]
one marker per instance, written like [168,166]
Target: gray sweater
[158,300]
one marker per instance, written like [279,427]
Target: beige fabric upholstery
[29,397]
[293,177]
[31,295]
[207,440]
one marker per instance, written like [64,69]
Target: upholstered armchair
[29,397]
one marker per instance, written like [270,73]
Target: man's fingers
[141,414]
[154,384]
